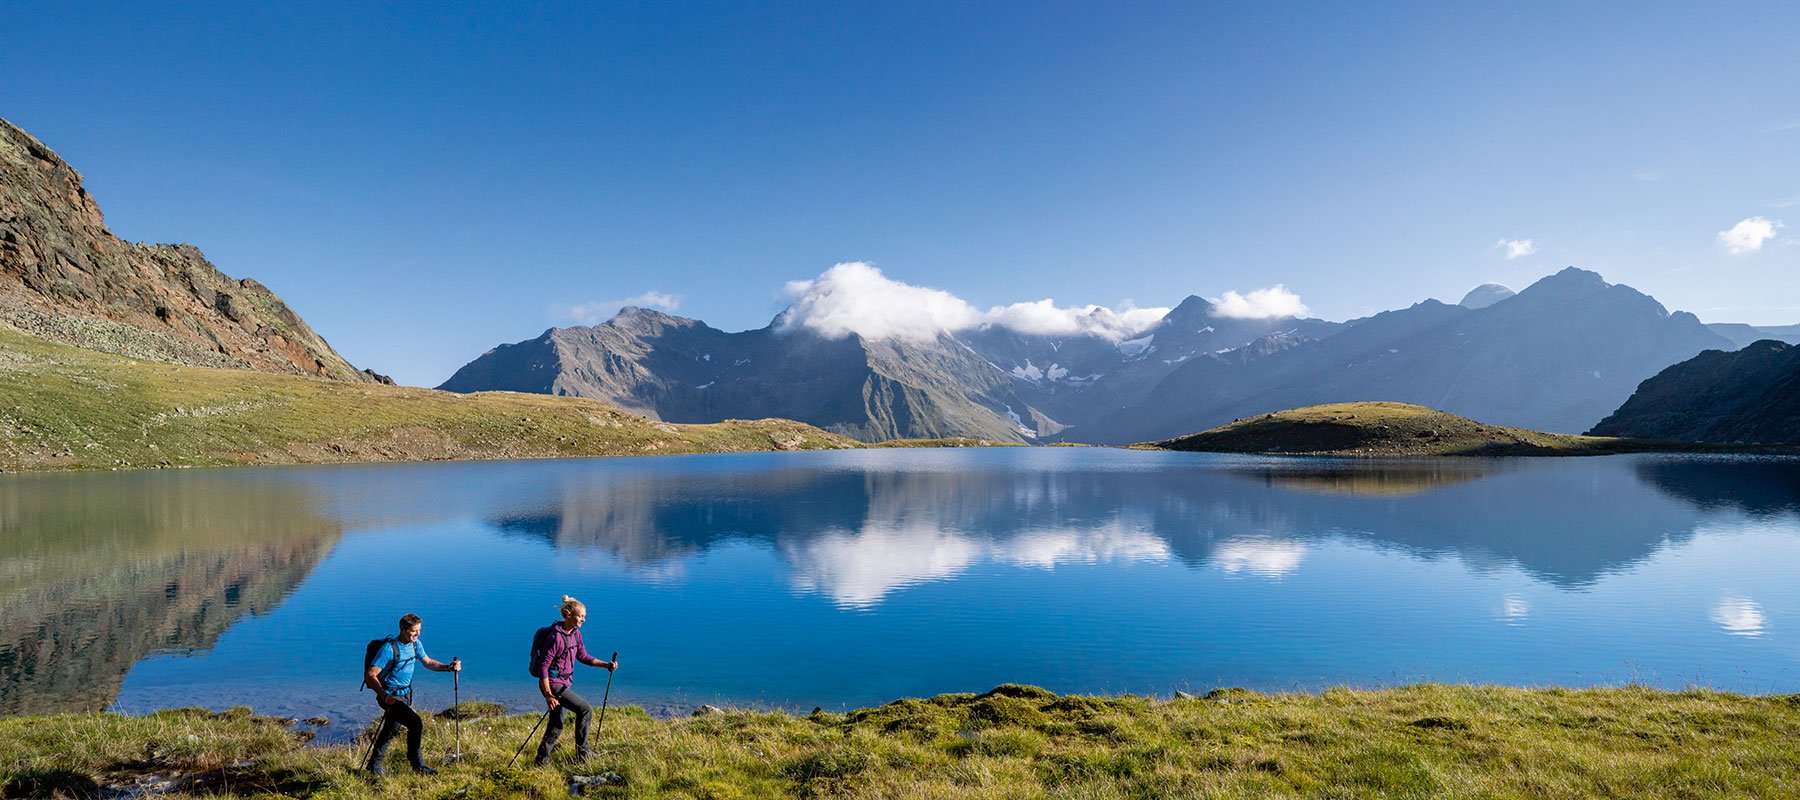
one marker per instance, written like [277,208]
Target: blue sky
[423,182]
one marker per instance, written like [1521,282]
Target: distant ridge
[65,277]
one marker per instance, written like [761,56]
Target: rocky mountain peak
[1570,282]
[65,277]
[1193,308]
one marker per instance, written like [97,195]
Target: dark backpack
[541,642]
[373,650]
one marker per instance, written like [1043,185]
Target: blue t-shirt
[402,658]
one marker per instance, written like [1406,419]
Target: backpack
[541,642]
[371,651]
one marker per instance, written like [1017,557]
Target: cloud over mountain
[1275,301]
[855,297]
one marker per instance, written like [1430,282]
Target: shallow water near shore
[848,579]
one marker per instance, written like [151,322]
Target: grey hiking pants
[584,712]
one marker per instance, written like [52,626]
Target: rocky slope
[1750,395]
[64,276]
[682,370]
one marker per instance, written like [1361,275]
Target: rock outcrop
[65,277]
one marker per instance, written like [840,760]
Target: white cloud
[1517,248]
[1275,301]
[1749,235]
[1045,317]
[855,297]
[600,311]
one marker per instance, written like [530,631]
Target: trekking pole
[456,694]
[528,738]
[609,674]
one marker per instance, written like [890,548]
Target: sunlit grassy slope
[1392,429]
[67,408]
[1013,742]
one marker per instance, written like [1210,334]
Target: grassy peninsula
[1015,741]
[64,407]
[1381,429]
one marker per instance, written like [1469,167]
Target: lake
[847,579]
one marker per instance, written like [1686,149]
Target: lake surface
[848,579]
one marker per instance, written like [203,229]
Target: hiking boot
[376,769]
[584,756]
[423,770]
[542,760]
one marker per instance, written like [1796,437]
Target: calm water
[849,579]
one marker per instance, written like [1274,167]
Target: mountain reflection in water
[98,571]
[857,535]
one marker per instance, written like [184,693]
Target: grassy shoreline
[1428,740]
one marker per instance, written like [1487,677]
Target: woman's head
[573,611]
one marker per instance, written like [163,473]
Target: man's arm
[372,679]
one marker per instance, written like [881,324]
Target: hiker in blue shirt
[389,672]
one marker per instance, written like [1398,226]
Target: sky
[422,182]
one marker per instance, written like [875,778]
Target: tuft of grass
[473,709]
[1416,741]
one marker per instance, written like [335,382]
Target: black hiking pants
[396,714]
[584,712]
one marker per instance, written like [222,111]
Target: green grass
[1417,741]
[63,407]
[1381,429]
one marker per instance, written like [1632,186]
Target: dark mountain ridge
[1749,396]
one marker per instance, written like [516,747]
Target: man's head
[410,626]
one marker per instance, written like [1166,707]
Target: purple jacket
[559,655]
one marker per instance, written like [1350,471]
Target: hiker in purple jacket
[555,649]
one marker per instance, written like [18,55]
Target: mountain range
[1557,356]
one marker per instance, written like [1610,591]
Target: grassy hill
[63,407]
[1380,429]
[1014,741]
